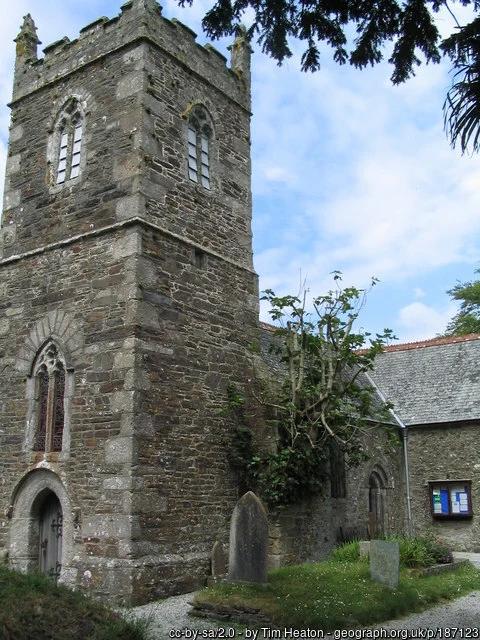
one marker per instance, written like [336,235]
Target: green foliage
[462,105]
[414,552]
[323,396]
[393,438]
[347,552]
[467,320]
[422,551]
[334,595]
[290,474]
[32,606]
[359,32]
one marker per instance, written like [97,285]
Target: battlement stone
[139,20]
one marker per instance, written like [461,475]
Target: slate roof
[434,381]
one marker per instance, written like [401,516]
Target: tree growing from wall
[323,396]
[358,32]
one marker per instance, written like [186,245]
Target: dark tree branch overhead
[410,26]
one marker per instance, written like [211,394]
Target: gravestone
[248,541]
[364,548]
[385,562]
[219,560]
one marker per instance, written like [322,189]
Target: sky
[349,173]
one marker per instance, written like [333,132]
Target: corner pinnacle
[241,52]
[27,40]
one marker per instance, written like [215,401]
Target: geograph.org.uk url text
[287,633]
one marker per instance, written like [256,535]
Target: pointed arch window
[49,374]
[199,147]
[69,150]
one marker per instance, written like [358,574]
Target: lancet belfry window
[199,147]
[70,143]
[49,375]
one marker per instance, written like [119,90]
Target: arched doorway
[41,510]
[50,534]
[376,504]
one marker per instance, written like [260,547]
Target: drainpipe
[404,432]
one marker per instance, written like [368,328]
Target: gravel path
[462,613]
[173,614]
[169,614]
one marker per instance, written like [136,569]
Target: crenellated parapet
[139,20]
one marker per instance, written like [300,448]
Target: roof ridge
[267,326]
[432,342]
[405,346]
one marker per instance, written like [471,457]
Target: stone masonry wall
[36,211]
[445,452]
[218,218]
[145,280]
[317,523]
[198,317]
[81,295]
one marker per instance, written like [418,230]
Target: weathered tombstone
[248,541]
[385,562]
[364,548]
[219,561]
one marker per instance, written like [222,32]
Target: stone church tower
[128,300]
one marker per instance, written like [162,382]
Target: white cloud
[277,174]
[372,174]
[420,321]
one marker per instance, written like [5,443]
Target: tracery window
[199,147]
[70,128]
[49,373]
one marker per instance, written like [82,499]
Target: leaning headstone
[248,541]
[364,548]
[219,563]
[385,562]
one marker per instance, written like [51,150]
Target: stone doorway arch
[41,511]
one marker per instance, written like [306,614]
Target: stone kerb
[248,541]
[385,562]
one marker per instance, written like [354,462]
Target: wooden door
[51,531]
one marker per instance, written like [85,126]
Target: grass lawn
[33,607]
[334,595]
